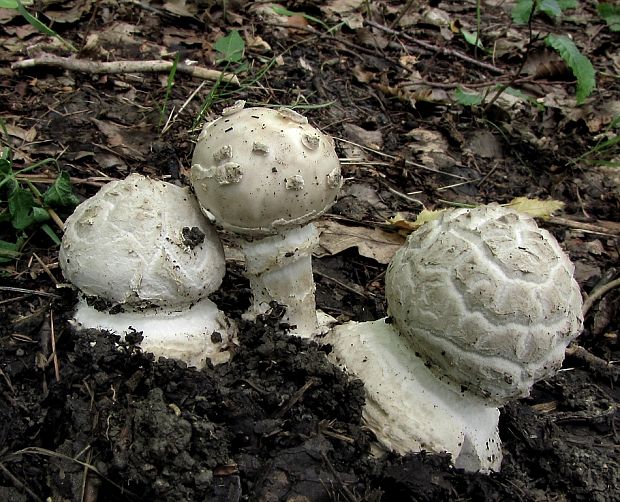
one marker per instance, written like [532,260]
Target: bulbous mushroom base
[407,407]
[192,334]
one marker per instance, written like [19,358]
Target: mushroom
[265,174]
[482,304]
[143,250]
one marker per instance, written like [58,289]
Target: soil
[87,416]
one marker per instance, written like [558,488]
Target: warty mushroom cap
[487,298]
[257,171]
[140,241]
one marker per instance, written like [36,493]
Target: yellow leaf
[402,223]
[536,208]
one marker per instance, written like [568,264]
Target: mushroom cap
[257,171]
[142,242]
[487,299]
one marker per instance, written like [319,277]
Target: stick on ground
[116,67]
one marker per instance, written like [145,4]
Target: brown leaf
[370,242]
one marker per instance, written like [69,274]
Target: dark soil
[88,417]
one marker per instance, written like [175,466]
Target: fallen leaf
[536,208]
[408,226]
[372,243]
[180,8]
[361,75]
[361,136]
[27,135]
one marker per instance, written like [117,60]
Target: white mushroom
[143,247]
[482,304]
[265,174]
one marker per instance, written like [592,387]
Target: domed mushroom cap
[259,170]
[487,298]
[141,241]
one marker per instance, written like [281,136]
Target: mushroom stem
[191,334]
[279,268]
[408,407]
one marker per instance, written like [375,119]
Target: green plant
[580,65]
[39,25]
[523,9]
[606,146]
[169,86]
[611,14]
[26,207]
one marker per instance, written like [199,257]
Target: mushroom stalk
[279,268]
[408,407]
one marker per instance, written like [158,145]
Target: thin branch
[28,291]
[597,294]
[439,50]
[115,67]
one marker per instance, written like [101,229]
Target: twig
[346,287]
[402,13]
[54,354]
[105,67]
[34,450]
[46,269]
[295,398]
[597,294]
[172,118]
[96,181]
[18,484]
[439,50]
[407,162]
[349,495]
[592,360]
[13,289]
[603,228]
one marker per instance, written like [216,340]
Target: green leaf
[568,4]
[10,251]
[611,14]
[61,192]
[467,98]
[472,39]
[550,7]
[230,48]
[553,8]
[579,64]
[525,97]
[8,4]
[40,26]
[521,11]
[24,210]
[51,234]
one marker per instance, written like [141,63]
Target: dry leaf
[370,242]
[361,75]
[536,208]
[27,135]
[408,226]
[361,136]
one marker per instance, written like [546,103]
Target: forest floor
[413,108]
